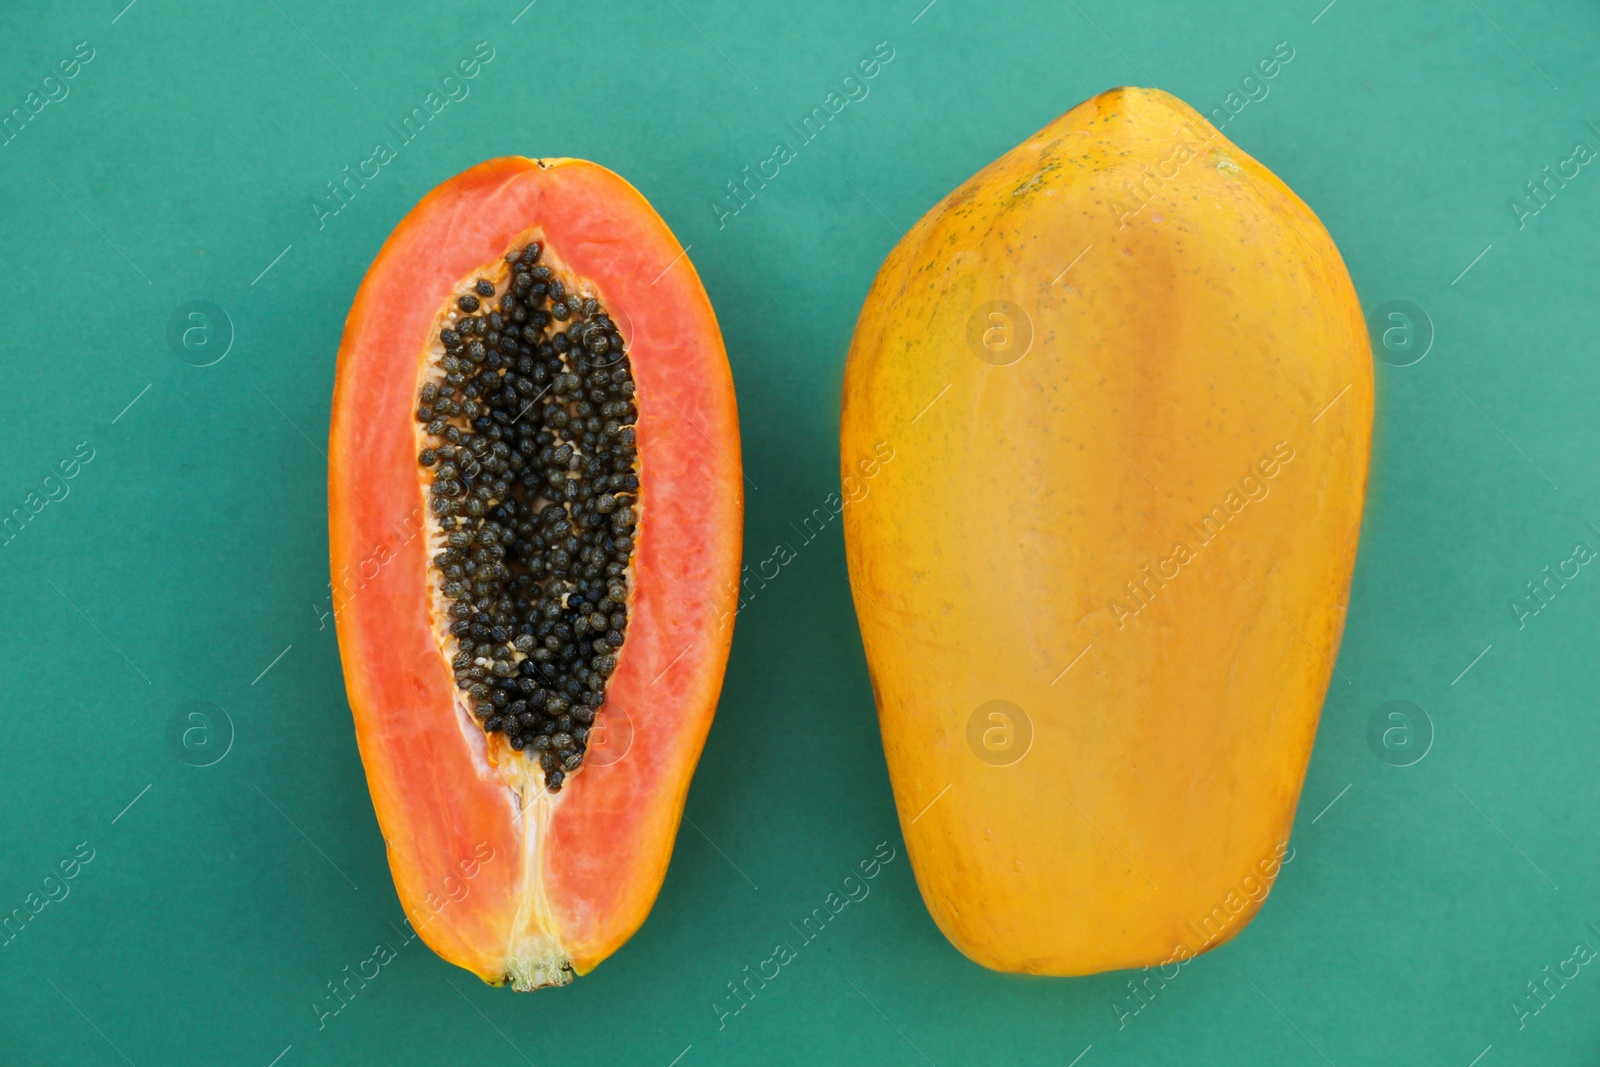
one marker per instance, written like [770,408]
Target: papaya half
[535,514]
[1101,588]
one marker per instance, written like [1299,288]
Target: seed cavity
[533,490]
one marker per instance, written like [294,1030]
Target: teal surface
[177,735]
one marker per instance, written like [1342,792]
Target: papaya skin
[1140,532]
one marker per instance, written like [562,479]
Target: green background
[185,571]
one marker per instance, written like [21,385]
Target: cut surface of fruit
[535,506]
[1101,589]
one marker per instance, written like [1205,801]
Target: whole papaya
[1127,387]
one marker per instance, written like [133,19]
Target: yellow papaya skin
[1126,388]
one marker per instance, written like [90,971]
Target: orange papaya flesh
[502,867]
[1101,588]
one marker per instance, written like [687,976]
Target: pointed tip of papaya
[1130,101]
[550,162]
[539,963]
[1139,96]
[1137,92]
